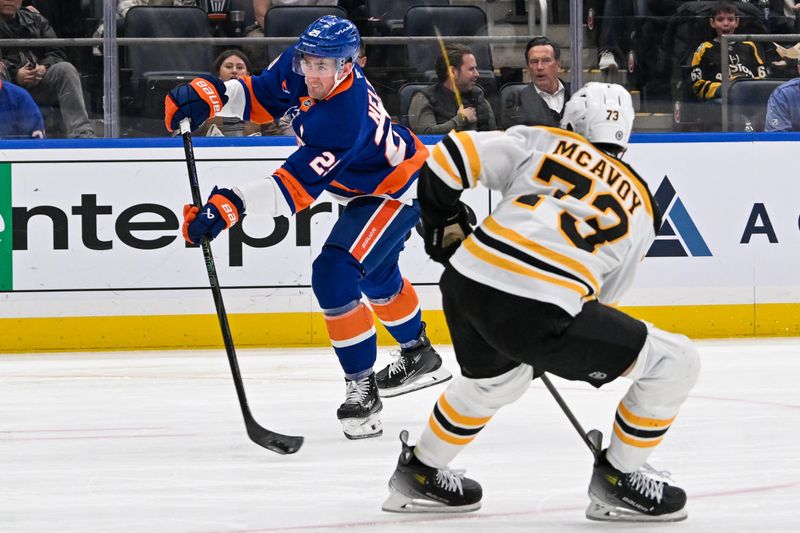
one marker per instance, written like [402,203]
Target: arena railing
[111,62]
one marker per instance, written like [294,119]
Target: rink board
[91,257]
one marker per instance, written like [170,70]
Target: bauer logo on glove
[198,101]
[211,96]
[223,209]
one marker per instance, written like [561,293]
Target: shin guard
[664,373]
[464,409]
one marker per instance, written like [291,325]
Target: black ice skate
[632,497]
[418,488]
[413,369]
[359,412]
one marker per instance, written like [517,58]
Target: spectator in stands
[260,8]
[64,16]
[19,115]
[616,26]
[781,15]
[542,101]
[234,64]
[231,64]
[790,22]
[744,57]
[43,72]
[362,55]
[436,109]
[783,108]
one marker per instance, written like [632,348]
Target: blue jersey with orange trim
[348,144]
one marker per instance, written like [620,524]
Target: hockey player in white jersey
[530,288]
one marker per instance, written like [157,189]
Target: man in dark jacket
[542,101]
[436,109]
[43,72]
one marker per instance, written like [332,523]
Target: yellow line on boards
[308,329]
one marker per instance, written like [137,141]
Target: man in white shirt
[542,102]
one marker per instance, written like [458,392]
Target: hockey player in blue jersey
[350,148]
[19,115]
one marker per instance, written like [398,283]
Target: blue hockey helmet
[328,36]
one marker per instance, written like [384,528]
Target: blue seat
[747,103]
[154,69]
[167,21]
[405,94]
[506,91]
[450,20]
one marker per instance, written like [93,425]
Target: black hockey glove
[442,239]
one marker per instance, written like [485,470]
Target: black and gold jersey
[744,60]
[573,222]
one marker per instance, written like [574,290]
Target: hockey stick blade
[275,442]
[595,437]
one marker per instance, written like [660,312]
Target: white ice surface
[154,442]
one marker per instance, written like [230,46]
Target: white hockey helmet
[601,112]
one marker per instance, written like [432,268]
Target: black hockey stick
[270,440]
[593,439]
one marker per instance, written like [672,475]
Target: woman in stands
[234,64]
[231,64]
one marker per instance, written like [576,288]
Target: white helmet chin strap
[337,81]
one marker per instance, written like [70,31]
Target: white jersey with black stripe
[573,223]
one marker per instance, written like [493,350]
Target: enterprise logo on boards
[678,236]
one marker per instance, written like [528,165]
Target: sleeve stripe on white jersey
[528,259]
[467,143]
[455,155]
[440,163]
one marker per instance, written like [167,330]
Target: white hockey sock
[667,369]
[464,409]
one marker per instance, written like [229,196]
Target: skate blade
[400,503]
[423,382]
[362,428]
[605,512]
